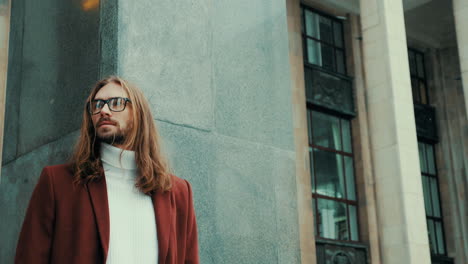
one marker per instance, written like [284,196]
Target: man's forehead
[111,90]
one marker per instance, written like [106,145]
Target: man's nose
[105,110]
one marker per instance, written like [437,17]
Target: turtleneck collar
[111,155]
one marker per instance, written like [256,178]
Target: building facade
[313,131]
[383,87]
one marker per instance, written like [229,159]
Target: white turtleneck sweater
[133,237]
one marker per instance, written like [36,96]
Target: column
[369,232]
[4,38]
[460,12]
[399,197]
[303,183]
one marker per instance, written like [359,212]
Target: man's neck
[118,157]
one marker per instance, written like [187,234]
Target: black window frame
[305,37]
[420,79]
[439,219]
[311,106]
[315,196]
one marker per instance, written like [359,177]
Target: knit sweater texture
[133,237]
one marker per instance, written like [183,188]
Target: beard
[117,138]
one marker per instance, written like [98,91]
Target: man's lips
[102,123]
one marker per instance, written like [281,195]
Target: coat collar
[163,205]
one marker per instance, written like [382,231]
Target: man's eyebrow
[96,98]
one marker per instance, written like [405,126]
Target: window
[332,171]
[431,198]
[418,77]
[430,183]
[323,39]
[330,146]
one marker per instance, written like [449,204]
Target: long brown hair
[142,137]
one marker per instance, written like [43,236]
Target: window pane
[326,131]
[313,52]
[346,130]
[430,159]
[420,63]
[349,173]
[427,196]
[326,33]
[311,21]
[340,64]
[422,157]
[312,176]
[435,197]
[353,223]
[432,238]
[328,57]
[329,173]
[440,237]
[338,33]
[332,220]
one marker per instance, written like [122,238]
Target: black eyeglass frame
[107,102]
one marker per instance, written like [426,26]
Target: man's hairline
[115,82]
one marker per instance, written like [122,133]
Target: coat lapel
[163,205]
[98,195]
[163,210]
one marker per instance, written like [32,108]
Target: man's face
[112,127]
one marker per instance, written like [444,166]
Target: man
[116,201]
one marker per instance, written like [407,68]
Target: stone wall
[217,76]
[53,61]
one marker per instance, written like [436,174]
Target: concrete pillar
[451,151]
[400,205]
[460,12]
[4,37]
[217,76]
[303,182]
[52,62]
[363,157]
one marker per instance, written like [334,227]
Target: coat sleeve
[191,255]
[35,239]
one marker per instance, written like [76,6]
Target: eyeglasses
[115,104]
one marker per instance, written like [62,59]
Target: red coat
[67,223]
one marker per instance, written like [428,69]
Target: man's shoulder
[61,168]
[182,192]
[180,185]
[59,171]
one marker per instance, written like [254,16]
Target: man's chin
[111,138]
